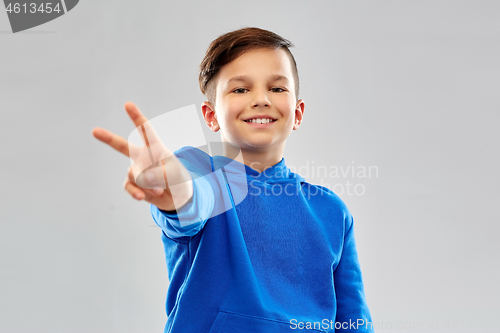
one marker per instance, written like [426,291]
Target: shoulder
[327,200]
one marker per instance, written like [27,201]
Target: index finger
[113,140]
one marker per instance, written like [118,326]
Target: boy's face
[258,84]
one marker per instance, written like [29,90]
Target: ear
[209,115]
[299,113]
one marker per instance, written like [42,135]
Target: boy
[250,246]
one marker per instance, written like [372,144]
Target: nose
[260,98]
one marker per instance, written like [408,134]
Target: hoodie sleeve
[192,216]
[353,314]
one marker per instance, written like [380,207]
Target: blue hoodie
[259,252]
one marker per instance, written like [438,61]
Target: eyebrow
[244,78]
[278,77]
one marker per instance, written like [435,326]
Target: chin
[258,145]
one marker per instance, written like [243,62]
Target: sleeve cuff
[192,216]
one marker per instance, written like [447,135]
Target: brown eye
[276,89]
[240,90]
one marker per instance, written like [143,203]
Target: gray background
[408,86]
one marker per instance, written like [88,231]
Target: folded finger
[151,177]
[151,189]
[134,191]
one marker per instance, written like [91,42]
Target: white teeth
[260,121]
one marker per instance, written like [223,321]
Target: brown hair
[230,46]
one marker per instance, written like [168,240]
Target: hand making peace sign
[156,175]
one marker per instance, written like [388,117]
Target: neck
[258,160]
